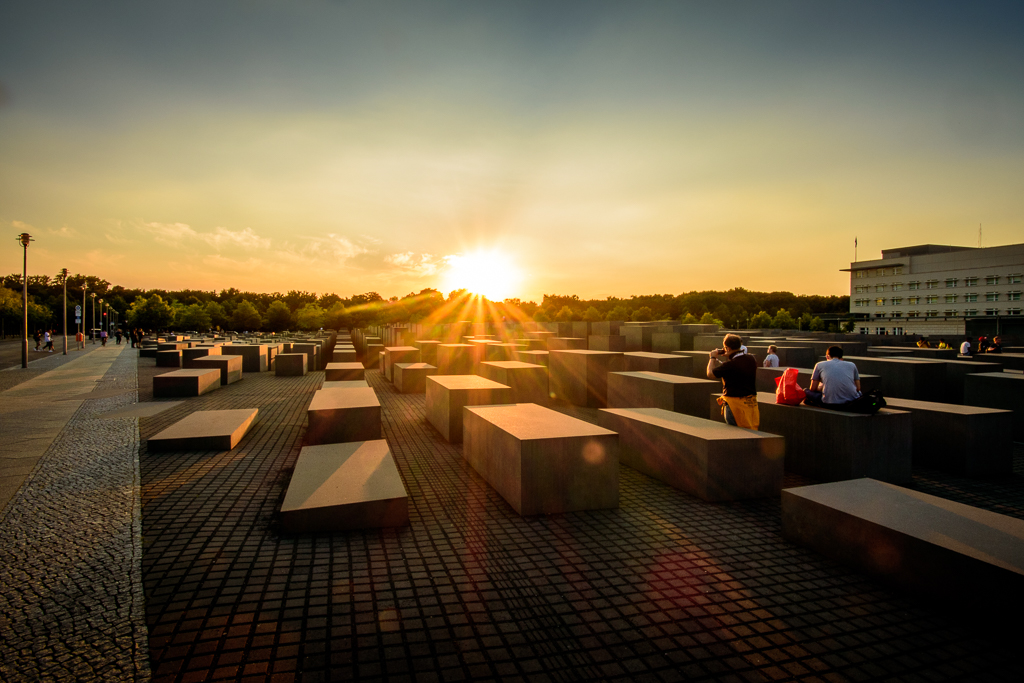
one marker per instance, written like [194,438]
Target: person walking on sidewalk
[118,336]
[38,337]
[103,337]
[48,338]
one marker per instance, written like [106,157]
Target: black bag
[866,404]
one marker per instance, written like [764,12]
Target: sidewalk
[71,604]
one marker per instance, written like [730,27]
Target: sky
[591,148]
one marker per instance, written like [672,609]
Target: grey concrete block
[966,440]
[541,461]
[205,430]
[342,372]
[372,356]
[707,459]
[341,415]
[447,395]
[345,384]
[612,342]
[917,542]
[528,382]
[904,377]
[344,355]
[560,343]
[667,342]
[428,350]
[399,354]
[229,367]
[291,365]
[185,383]
[533,356]
[254,356]
[606,328]
[766,379]
[343,487]
[411,378]
[648,361]
[580,377]
[455,359]
[168,359]
[679,394]
[1003,390]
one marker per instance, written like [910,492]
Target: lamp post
[92,332]
[64,281]
[24,238]
[101,319]
[85,286]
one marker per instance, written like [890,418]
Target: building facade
[933,289]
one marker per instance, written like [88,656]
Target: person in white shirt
[772,359]
[965,348]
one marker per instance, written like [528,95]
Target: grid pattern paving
[667,587]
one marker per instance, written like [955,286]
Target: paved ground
[667,587]
[71,607]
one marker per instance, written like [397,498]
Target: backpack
[866,404]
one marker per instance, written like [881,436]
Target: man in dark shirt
[996,345]
[738,372]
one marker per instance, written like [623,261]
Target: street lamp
[24,238]
[85,286]
[92,332]
[101,320]
[64,281]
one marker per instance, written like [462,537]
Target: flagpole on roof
[854,249]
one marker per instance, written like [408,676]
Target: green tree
[152,313]
[620,312]
[218,316]
[278,318]
[592,315]
[245,317]
[541,317]
[816,324]
[309,317]
[642,314]
[850,327]
[336,317]
[708,319]
[565,315]
[761,320]
[688,319]
[192,317]
[783,320]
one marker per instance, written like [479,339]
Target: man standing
[738,372]
[834,381]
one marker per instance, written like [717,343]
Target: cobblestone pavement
[71,606]
[667,587]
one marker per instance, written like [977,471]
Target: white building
[932,289]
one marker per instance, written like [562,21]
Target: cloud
[171,233]
[332,247]
[422,265]
[249,265]
[181,233]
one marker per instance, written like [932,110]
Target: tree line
[234,309]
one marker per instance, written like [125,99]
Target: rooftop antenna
[979,235]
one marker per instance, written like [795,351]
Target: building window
[897,301]
[913,314]
[863,330]
[949,313]
[991,296]
[1014,279]
[991,311]
[931,299]
[897,286]
[880,315]
[971,312]
[880,288]
[860,274]
[897,314]
[914,300]
[860,289]
[970,298]
[992,280]
[913,285]
[897,271]
[1012,311]
[1013,296]
[931,284]
[932,314]
[951,281]
[951,298]
[970,282]
[879,301]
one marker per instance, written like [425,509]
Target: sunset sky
[600,148]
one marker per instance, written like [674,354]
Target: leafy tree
[309,317]
[642,314]
[245,317]
[761,320]
[850,327]
[689,319]
[592,315]
[336,317]
[565,315]
[708,319]
[541,317]
[816,324]
[218,316]
[152,313]
[278,317]
[192,317]
[620,312]
[783,320]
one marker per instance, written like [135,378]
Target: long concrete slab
[447,395]
[186,383]
[920,543]
[341,415]
[687,395]
[343,487]
[205,430]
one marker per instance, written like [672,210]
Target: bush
[817,324]
[689,319]
[643,314]
[762,320]
[708,319]
[783,320]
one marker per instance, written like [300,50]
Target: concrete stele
[205,430]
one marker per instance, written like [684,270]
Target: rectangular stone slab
[399,354]
[541,461]
[292,365]
[372,356]
[343,372]
[198,352]
[205,430]
[345,486]
[920,543]
[649,361]
[533,357]
[312,352]
[1003,390]
[529,382]
[168,359]
[687,395]
[185,383]
[411,378]
[561,343]
[428,350]
[904,377]
[707,459]
[606,342]
[230,367]
[580,377]
[963,439]
[347,384]
[447,395]
[343,355]
[342,415]
[455,359]
[254,356]
[766,379]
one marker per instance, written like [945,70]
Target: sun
[489,273]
